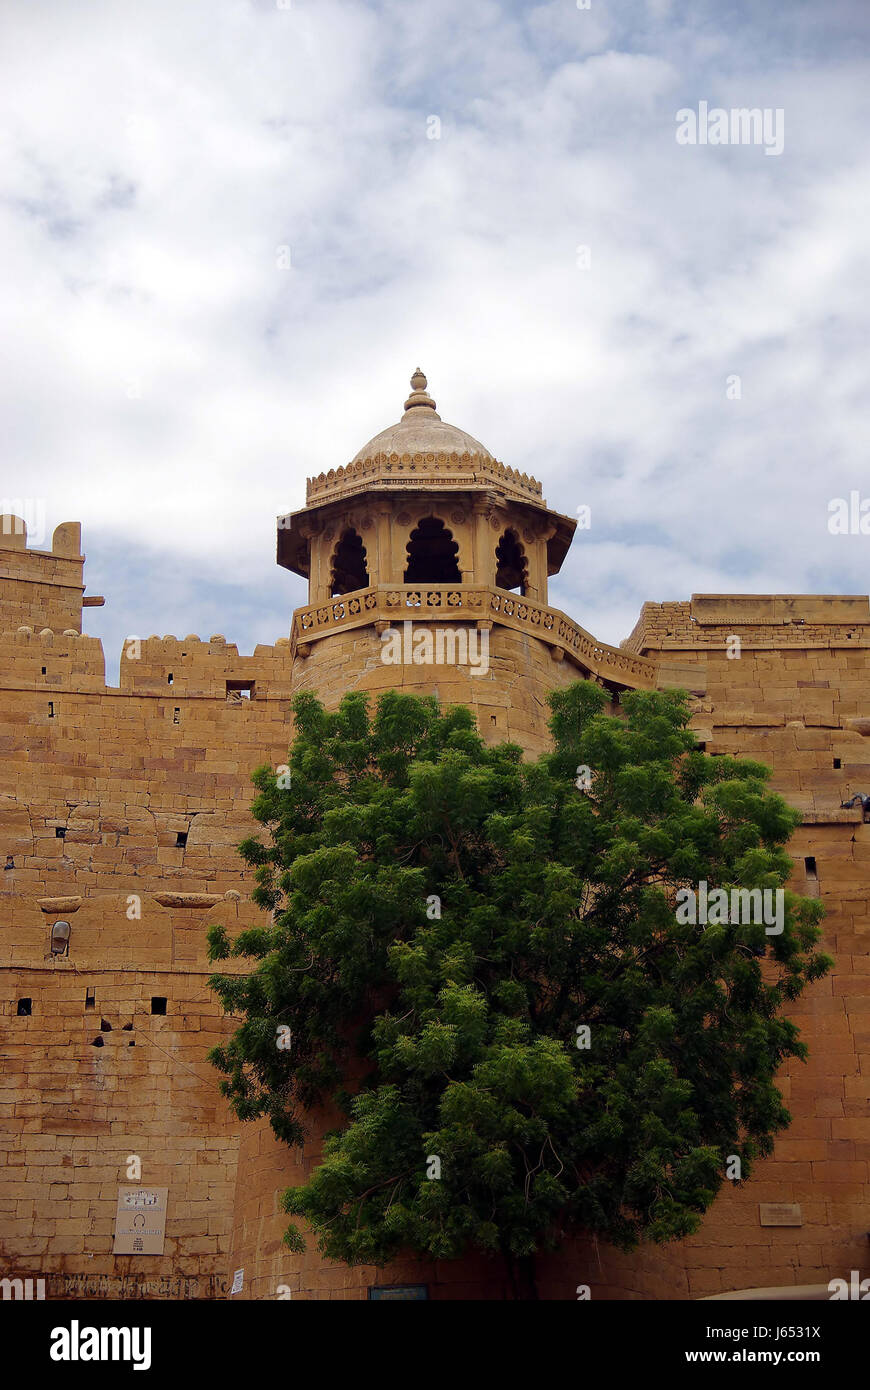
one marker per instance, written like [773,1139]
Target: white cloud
[171,386]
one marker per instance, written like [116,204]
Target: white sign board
[140,1221]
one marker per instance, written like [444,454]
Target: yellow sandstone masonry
[121,809]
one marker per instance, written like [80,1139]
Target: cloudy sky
[170,380]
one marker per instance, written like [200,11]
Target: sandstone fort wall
[120,812]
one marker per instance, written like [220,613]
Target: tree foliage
[444,919]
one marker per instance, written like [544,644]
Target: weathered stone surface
[192,900]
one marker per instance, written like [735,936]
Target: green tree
[480,959]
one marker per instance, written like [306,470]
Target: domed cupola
[420,432]
[423,502]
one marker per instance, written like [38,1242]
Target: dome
[421,431]
[421,449]
[419,455]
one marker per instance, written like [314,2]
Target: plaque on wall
[404,1292]
[780,1214]
[140,1221]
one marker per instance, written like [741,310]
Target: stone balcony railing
[456,603]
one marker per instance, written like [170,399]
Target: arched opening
[349,571]
[511,566]
[432,554]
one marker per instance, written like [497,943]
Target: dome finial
[419,395]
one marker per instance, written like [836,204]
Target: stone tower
[424,503]
[423,530]
[425,527]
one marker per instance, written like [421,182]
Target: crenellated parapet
[43,659]
[778,621]
[172,666]
[41,588]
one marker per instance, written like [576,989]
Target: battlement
[40,588]
[169,666]
[760,620]
[65,541]
[165,666]
[49,660]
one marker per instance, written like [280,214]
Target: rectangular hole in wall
[90,998]
[812,876]
[176,715]
[60,832]
[170,678]
[181,839]
[45,670]
[240,690]
[51,709]
[58,939]
[24,1008]
[158,1004]
[838,762]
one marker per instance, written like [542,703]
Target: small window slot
[58,940]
